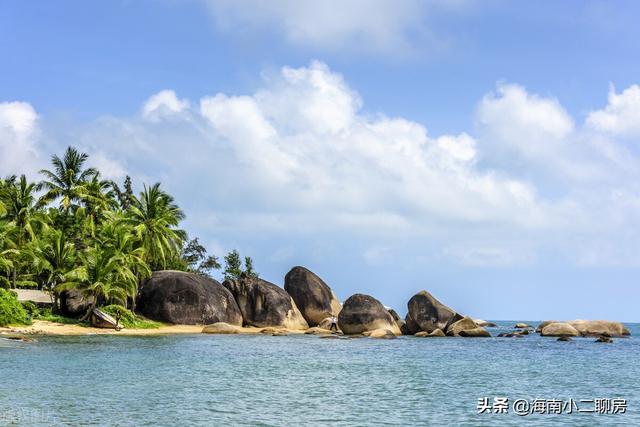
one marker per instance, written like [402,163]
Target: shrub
[11,311]
[46,314]
[31,309]
[128,319]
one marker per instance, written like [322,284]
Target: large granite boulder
[599,327]
[410,327]
[74,304]
[187,298]
[430,314]
[475,333]
[313,297]
[222,328]
[544,323]
[264,304]
[464,324]
[559,329]
[361,313]
[591,327]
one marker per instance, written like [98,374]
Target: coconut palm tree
[153,218]
[67,179]
[23,211]
[53,257]
[104,276]
[7,252]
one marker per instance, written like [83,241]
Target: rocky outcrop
[429,314]
[361,313]
[264,304]
[599,327]
[74,304]
[410,327]
[559,329]
[187,298]
[397,319]
[466,323]
[521,326]
[313,297]
[591,328]
[545,323]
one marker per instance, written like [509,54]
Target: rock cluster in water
[308,304]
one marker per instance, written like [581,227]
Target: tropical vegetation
[75,231]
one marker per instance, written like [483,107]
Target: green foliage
[196,259]
[233,266]
[11,311]
[128,319]
[66,181]
[30,308]
[153,218]
[75,230]
[45,314]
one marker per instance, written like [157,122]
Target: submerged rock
[559,329]
[430,314]
[604,339]
[313,297]
[361,313]
[187,298]
[564,339]
[319,331]
[380,334]
[475,333]
[264,304]
[434,334]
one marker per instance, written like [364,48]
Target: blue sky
[485,151]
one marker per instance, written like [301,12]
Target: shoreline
[46,328]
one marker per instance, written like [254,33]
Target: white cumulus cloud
[621,116]
[162,104]
[18,133]
[301,157]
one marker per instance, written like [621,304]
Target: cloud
[18,133]
[621,116]
[392,27]
[301,159]
[163,104]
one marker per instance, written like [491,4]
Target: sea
[304,380]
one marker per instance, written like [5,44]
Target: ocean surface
[211,380]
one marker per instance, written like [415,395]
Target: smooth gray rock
[187,298]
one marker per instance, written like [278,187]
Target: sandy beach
[42,327]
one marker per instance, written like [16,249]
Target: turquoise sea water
[305,380]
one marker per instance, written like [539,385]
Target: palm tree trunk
[88,313]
